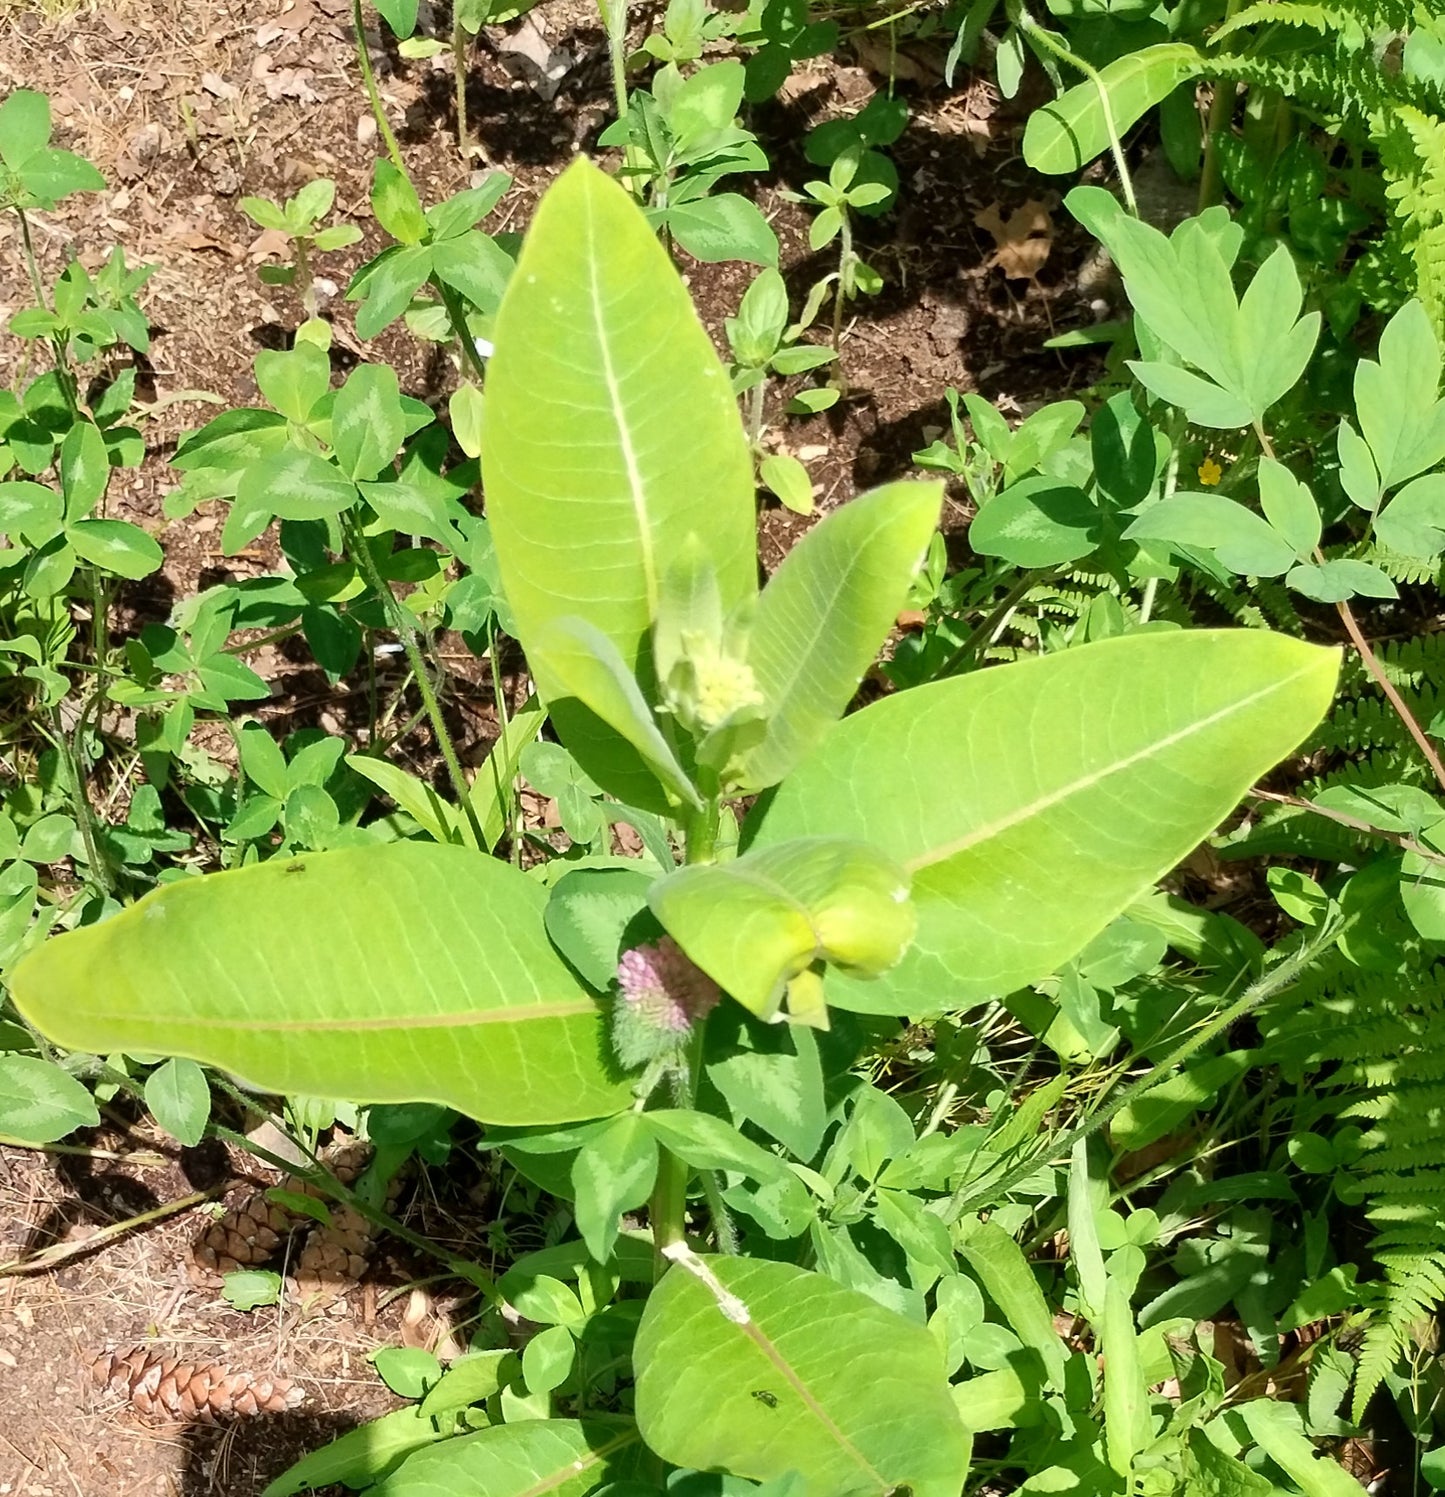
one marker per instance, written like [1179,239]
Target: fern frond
[1378,1038]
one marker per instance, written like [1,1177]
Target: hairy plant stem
[373,94]
[31,263]
[845,259]
[459,77]
[1260,991]
[308,281]
[1046,39]
[1221,112]
[506,797]
[667,1209]
[456,315]
[406,629]
[63,371]
[80,802]
[756,397]
[614,20]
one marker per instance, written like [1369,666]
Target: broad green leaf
[772,1076]
[586,666]
[708,1143]
[1397,399]
[999,1265]
[1276,1432]
[476,265]
[588,915]
[1358,476]
[395,203]
[613,1172]
[32,509]
[413,509]
[1209,1472]
[1200,399]
[409,1371]
[179,1098]
[787,479]
[24,126]
[1242,540]
[232,440]
[1066,135]
[414,796]
[1072,781]
[253,1288]
[755,923]
[386,286]
[464,406]
[116,546]
[1253,349]
[534,1458]
[725,226]
[388,973]
[609,436]
[1339,578]
[470,1379]
[41,1103]
[1126,1395]
[367,421]
[825,613]
[361,1456]
[312,203]
[1038,522]
[1041,435]
[294,379]
[84,469]
[1289,506]
[796,1373]
[400,15]
[53,174]
[293,484]
[1413,522]
[547,1359]
[263,761]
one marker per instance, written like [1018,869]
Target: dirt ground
[188,108]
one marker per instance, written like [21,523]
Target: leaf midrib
[637,491]
[958,845]
[515,1014]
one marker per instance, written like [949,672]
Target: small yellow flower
[1210,472]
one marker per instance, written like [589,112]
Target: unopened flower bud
[662,996]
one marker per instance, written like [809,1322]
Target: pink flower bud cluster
[661,986]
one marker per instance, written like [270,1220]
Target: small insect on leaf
[296,865]
[763,1396]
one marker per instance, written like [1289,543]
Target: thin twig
[1398,839]
[59,1252]
[1392,695]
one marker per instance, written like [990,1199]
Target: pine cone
[168,1388]
[333,1260]
[244,1237]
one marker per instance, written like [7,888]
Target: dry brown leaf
[267,244]
[1023,239]
[213,83]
